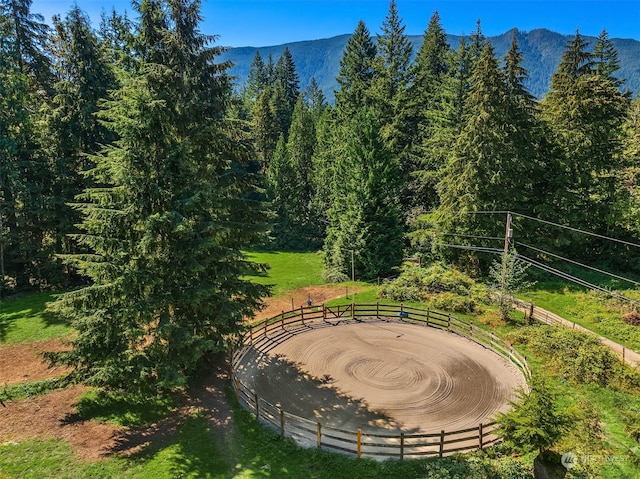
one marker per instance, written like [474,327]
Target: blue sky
[273,22]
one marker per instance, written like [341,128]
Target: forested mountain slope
[541,48]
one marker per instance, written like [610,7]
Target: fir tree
[476,177]
[72,132]
[117,38]
[167,219]
[326,150]
[315,99]
[289,178]
[257,79]
[391,66]
[606,58]
[585,111]
[287,76]
[356,72]
[415,121]
[265,127]
[364,215]
[24,171]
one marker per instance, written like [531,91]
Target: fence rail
[361,443]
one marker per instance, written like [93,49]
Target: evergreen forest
[135,174]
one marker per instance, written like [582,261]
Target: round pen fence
[359,442]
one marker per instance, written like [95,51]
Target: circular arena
[377,381]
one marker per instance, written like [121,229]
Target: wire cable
[628,243]
[471,248]
[575,279]
[579,264]
[473,236]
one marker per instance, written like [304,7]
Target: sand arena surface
[376,374]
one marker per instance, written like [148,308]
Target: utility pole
[507,239]
[353,279]
[353,270]
[507,235]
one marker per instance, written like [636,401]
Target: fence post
[378,309]
[427,316]
[256,399]
[401,445]
[480,434]
[441,443]
[471,329]
[448,321]
[359,442]
[281,423]
[491,341]
[251,335]
[353,311]
[302,314]
[238,389]
[324,313]
[319,435]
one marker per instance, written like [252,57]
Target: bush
[334,275]
[439,287]
[578,357]
[453,302]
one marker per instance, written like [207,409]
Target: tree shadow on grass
[121,409]
[31,307]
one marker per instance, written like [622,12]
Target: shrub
[578,357]
[438,286]
[453,302]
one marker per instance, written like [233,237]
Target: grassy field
[288,271]
[254,452]
[592,310]
[24,320]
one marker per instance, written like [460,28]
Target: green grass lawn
[24,320]
[289,271]
[591,310]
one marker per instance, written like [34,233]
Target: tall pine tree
[356,72]
[168,218]
[72,131]
[585,110]
[364,216]
[26,82]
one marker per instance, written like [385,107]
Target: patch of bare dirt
[300,297]
[24,362]
[54,415]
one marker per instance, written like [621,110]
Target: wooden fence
[361,443]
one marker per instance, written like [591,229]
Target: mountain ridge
[541,48]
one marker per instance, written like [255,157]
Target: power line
[579,264]
[579,230]
[575,279]
[471,248]
[473,236]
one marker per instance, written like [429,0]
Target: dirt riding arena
[380,375]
